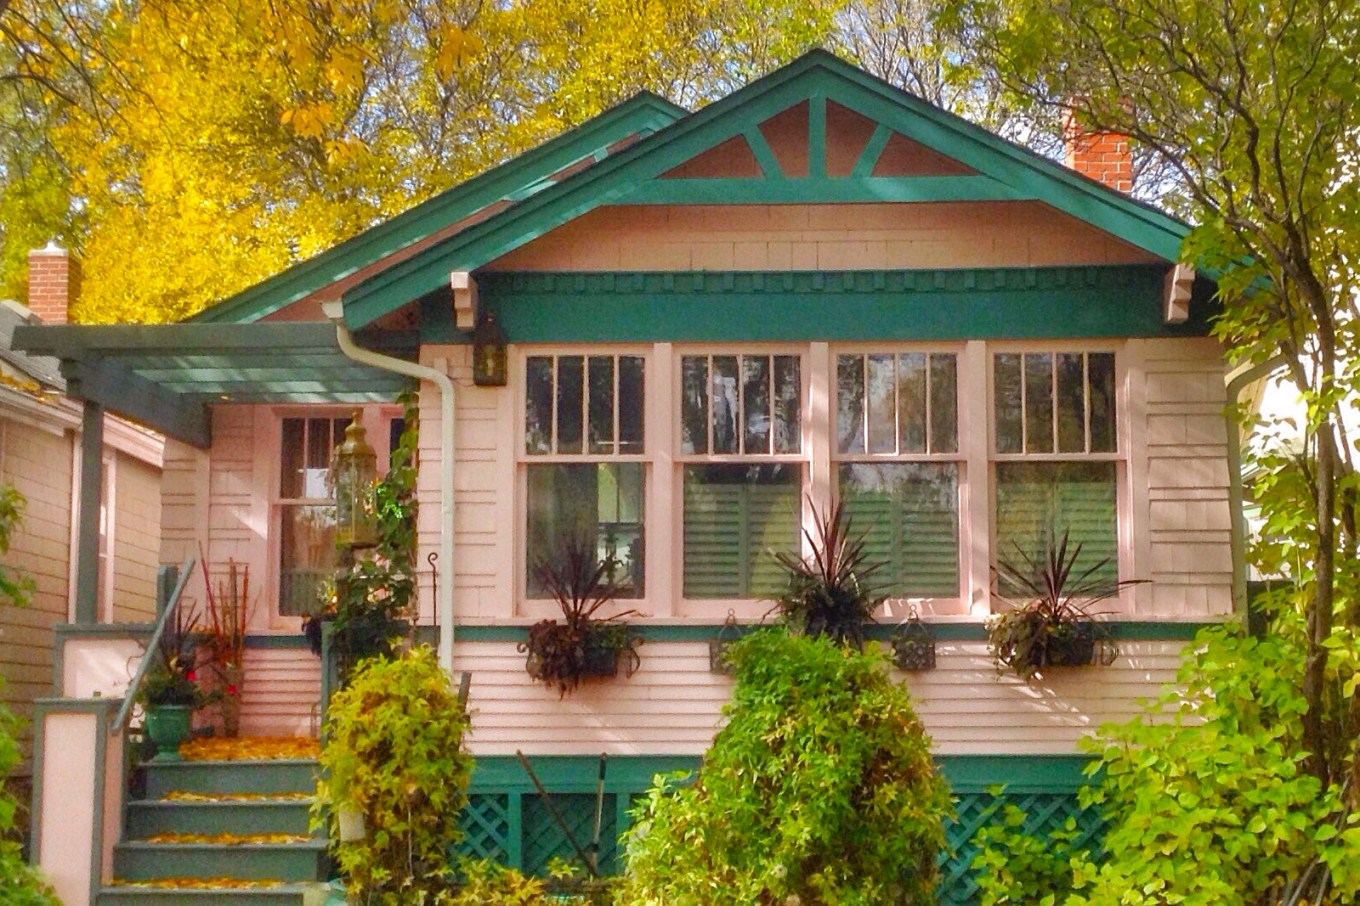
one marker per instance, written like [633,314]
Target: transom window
[585,472]
[1056,452]
[897,471]
[748,405]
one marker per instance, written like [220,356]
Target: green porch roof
[166,375]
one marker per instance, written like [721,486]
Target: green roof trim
[517,178]
[818,75]
[1113,301]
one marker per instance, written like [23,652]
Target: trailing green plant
[831,592]
[1015,868]
[1054,625]
[21,883]
[583,643]
[373,599]
[393,751]
[482,882]
[16,588]
[820,789]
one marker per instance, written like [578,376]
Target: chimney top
[53,282]
[1103,156]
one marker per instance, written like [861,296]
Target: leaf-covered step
[204,892]
[260,777]
[140,860]
[148,817]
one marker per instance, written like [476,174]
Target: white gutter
[444,606]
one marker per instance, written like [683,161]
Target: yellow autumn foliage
[238,748]
[189,150]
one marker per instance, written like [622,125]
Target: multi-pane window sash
[741,471]
[584,462]
[1056,455]
[897,466]
[583,405]
[306,510]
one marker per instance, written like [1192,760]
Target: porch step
[265,776]
[142,861]
[132,895]
[196,825]
[148,817]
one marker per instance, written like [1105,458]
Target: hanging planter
[562,653]
[717,648]
[913,645]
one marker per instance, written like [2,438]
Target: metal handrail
[120,720]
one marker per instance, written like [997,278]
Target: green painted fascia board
[633,773]
[823,190]
[952,305]
[817,73]
[289,338]
[1122,630]
[643,113]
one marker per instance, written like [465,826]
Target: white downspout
[444,606]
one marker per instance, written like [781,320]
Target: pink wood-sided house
[816,288]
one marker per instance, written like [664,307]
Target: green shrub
[1017,869]
[819,790]
[393,750]
[21,884]
[1206,794]
[16,587]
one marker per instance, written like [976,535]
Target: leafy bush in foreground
[819,790]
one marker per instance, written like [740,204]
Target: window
[897,465]
[585,469]
[1056,454]
[741,471]
[306,510]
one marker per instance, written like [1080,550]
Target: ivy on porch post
[87,534]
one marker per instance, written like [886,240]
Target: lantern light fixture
[489,366]
[354,479]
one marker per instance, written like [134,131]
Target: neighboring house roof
[635,176]
[42,371]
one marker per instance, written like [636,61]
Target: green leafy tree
[820,789]
[16,588]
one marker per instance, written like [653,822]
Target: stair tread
[313,843]
[200,803]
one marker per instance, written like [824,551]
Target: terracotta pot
[167,726]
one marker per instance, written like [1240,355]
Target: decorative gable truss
[815,132]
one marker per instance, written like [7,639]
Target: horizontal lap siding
[1189,523]
[673,704]
[137,527]
[38,463]
[281,693]
[819,237]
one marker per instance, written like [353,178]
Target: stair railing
[119,722]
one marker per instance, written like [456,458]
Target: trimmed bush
[819,790]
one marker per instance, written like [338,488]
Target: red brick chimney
[53,282]
[1103,156]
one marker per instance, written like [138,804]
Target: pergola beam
[115,387]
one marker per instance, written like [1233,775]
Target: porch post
[87,535]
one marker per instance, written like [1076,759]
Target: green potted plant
[1054,625]
[582,644]
[169,693]
[831,592]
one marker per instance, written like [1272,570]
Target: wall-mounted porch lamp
[354,478]
[489,367]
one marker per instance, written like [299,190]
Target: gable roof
[1004,171]
[41,370]
[510,182]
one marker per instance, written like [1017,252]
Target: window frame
[376,419]
[1122,456]
[547,608]
[718,608]
[965,434]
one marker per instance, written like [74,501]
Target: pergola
[165,376]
